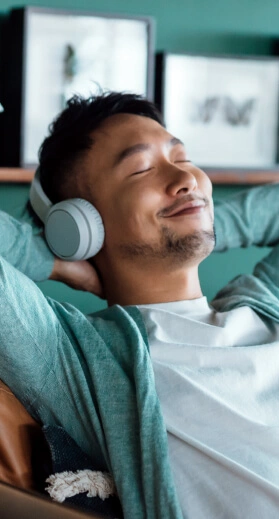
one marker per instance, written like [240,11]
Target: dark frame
[13,122]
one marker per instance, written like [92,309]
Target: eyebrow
[137,148]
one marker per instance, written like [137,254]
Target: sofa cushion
[69,464]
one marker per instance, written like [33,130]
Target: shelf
[242,176]
[221,176]
[16,175]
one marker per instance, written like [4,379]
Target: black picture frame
[16,125]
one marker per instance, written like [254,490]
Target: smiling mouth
[189,207]
[188,210]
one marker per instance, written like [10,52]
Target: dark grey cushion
[66,455]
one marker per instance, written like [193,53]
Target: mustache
[179,203]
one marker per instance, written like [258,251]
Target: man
[175,397]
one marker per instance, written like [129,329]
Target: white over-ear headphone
[73,228]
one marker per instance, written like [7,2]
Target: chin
[195,245]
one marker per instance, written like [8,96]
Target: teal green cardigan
[93,374]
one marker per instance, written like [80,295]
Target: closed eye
[181,161]
[142,171]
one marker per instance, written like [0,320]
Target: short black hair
[70,136]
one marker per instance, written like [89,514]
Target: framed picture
[55,54]
[224,108]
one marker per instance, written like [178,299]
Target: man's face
[154,202]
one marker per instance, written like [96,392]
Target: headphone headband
[40,203]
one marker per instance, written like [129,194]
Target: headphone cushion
[74,230]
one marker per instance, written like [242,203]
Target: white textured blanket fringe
[68,484]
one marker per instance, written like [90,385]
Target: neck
[137,284]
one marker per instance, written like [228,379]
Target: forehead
[123,130]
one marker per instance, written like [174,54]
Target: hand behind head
[80,275]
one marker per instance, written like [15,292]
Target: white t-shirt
[217,378]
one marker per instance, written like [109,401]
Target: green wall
[212,26]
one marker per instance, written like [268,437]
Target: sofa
[30,454]
[25,459]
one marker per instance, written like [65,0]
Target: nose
[181,180]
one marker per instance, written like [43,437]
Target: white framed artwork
[65,53]
[224,108]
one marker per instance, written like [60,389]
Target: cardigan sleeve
[23,246]
[248,218]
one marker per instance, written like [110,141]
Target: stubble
[179,249]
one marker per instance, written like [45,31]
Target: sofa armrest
[24,455]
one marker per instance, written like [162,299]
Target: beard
[180,250]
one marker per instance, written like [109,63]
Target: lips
[189,207]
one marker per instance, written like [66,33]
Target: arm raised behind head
[25,250]
[247,218]
[24,247]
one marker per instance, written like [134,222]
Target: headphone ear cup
[74,230]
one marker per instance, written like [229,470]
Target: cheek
[205,186]
[208,193]
[131,214]
[204,182]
